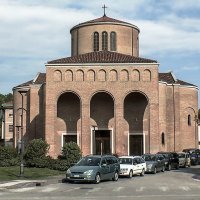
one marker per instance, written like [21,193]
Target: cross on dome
[104,8]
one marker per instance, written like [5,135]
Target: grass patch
[12,173]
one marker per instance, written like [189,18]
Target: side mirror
[104,165]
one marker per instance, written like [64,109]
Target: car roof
[129,156]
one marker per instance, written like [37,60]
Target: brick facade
[113,99]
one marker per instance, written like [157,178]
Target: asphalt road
[183,184]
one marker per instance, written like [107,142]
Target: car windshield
[149,157]
[181,155]
[89,161]
[127,161]
[165,155]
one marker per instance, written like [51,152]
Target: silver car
[94,168]
[184,159]
[155,163]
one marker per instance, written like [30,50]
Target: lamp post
[23,93]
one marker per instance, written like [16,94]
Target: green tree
[5,98]
[71,152]
[36,148]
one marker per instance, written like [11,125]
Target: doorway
[102,142]
[136,145]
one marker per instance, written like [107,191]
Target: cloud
[191,68]
[37,31]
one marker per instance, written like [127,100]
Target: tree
[5,98]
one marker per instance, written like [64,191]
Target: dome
[105,34]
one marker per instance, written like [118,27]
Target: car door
[159,162]
[139,165]
[135,166]
[105,169]
[110,163]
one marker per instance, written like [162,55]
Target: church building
[107,98]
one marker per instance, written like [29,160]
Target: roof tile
[102,57]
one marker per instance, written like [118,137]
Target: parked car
[195,158]
[184,159]
[154,162]
[132,165]
[94,168]
[189,150]
[171,160]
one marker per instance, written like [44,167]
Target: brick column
[85,137]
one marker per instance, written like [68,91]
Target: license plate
[76,175]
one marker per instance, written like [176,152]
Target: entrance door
[102,141]
[136,144]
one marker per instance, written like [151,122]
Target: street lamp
[23,93]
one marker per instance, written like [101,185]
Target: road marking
[118,189]
[49,189]
[95,189]
[140,189]
[2,185]
[164,188]
[72,189]
[185,188]
[22,189]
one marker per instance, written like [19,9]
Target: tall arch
[136,113]
[68,114]
[102,114]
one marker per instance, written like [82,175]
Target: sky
[33,32]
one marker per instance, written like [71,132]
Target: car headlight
[88,172]
[68,171]
[149,165]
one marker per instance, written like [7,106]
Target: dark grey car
[94,168]
[154,162]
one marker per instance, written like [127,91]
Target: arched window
[189,120]
[113,41]
[104,41]
[96,41]
[163,138]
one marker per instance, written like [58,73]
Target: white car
[131,165]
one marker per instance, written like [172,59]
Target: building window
[189,120]
[10,115]
[113,41]
[104,41]
[10,128]
[69,138]
[163,138]
[96,41]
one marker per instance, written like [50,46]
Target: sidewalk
[31,183]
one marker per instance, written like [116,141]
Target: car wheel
[169,167]
[142,173]
[163,169]
[116,176]
[130,174]
[97,178]
[155,170]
